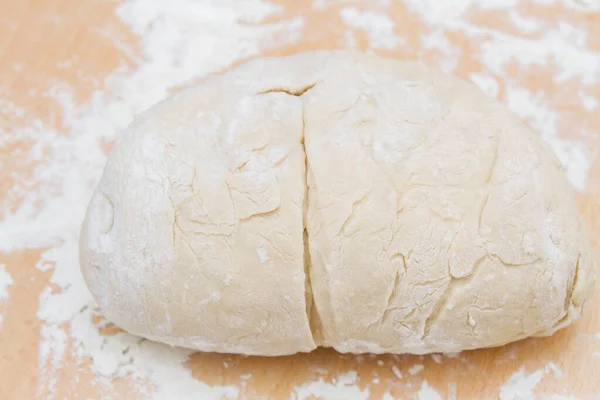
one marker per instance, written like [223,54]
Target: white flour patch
[125,354]
[521,386]
[342,387]
[5,282]
[416,369]
[51,355]
[590,103]
[388,396]
[438,12]
[452,389]
[554,47]
[426,392]
[437,358]
[556,371]
[379,27]
[396,372]
[579,5]
[525,25]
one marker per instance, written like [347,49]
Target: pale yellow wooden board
[33,40]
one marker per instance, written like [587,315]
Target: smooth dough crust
[334,199]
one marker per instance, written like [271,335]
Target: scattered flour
[525,25]
[397,372]
[580,5]
[426,392]
[556,371]
[5,282]
[388,396]
[342,387]
[437,358]
[521,386]
[452,389]
[416,369]
[590,103]
[534,108]
[437,12]
[378,26]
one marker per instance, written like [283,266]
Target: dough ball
[334,199]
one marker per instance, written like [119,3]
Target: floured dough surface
[334,199]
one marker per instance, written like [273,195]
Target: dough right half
[463,216]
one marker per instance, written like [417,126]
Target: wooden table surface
[78,44]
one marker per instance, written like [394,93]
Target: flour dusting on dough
[5,282]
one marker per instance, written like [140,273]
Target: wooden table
[78,43]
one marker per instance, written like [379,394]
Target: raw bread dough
[334,199]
